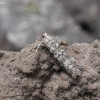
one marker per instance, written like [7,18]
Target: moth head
[45,35]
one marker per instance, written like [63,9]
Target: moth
[62,57]
[65,61]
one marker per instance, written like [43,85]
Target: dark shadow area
[86,27]
[1,55]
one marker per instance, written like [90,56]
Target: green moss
[32,8]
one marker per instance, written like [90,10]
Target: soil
[30,75]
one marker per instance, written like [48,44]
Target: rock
[37,78]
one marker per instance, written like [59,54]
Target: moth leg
[38,46]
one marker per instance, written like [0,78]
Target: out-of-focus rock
[24,20]
[86,13]
[7,45]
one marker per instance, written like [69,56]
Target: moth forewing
[59,54]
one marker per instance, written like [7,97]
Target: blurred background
[21,21]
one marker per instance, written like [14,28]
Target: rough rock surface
[40,77]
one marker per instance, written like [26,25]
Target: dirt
[30,75]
